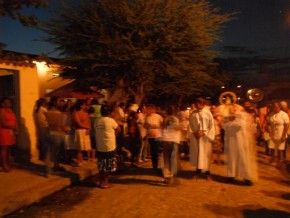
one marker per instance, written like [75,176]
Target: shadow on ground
[277,194]
[38,169]
[246,211]
[55,204]
[265,213]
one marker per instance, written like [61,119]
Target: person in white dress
[278,128]
[239,144]
[202,133]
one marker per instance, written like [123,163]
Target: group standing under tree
[80,132]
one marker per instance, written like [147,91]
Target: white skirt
[82,140]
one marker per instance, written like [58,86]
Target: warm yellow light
[42,67]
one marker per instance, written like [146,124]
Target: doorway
[9,87]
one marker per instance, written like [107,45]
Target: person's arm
[117,128]
[285,130]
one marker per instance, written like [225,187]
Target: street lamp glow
[239,86]
[223,87]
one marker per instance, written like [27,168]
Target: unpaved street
[140,192]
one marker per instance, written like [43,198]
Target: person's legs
[167,160]
[57,142]
[104,181]
[80,158]
[207,175]
[154,152]
[9,156]
[101,177]
[267,149]
[4,157]
[280,157]
[93,154]
[286,147]
[120,140]
[48,158]
[197,174]
[272,154]
[143,150]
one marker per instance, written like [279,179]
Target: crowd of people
[204,134]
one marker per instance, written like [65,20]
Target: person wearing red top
[8,128]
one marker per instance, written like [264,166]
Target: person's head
[122,105]
[133,115]
[94,101]
[213,109]
[105,111]
[54,102]
[151,108]
[80,105]
[142,109]
[183,106]
[248,106]
[91,110]
[270,107]
[133,107]
[6,102]
[284,105]
[170,110]
[40,103]
[88,101]
[276,107]
[61,103]
[199,103]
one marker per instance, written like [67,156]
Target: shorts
[277,144]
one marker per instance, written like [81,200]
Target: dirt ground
[140,192]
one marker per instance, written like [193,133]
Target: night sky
[260,26]
[260,32]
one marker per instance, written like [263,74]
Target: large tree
[138,47]
[14,9]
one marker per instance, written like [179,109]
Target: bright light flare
[42,67]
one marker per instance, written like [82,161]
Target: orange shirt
[82,120]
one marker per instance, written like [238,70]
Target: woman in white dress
[279,124]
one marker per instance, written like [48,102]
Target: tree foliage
[13,9]
[138,47]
